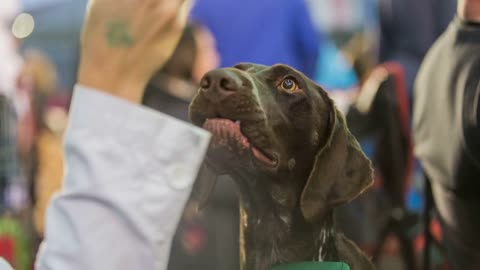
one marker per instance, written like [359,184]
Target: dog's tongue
[225,131]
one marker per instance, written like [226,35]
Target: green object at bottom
[313,266]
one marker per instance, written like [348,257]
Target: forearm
[129,173]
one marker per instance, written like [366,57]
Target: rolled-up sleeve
[129,173]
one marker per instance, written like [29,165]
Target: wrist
[119,86]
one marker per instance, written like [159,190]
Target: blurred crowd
[343,45]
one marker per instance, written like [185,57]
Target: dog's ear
[340,171]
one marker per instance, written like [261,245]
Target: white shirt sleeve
[129,173]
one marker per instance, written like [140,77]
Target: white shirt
[129,173]
[4,264]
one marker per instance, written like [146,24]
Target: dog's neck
[272,233]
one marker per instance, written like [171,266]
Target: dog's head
[274,126]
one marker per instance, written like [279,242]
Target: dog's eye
[289,85]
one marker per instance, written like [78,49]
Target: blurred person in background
[446,128]
[39,74]
[8,149]
[15,221]
[408,28]
[172,87]
[264,32]
[37,81]
[34,82]
[11,60]
[9,109]
[49,160]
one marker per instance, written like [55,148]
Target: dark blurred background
[344,45]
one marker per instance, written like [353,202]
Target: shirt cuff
[155,139]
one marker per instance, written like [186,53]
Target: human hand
[124,42]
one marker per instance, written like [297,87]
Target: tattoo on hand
[117,34]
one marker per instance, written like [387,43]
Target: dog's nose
[220,83]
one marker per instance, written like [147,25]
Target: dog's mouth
[228,133]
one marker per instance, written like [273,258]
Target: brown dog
[281,138]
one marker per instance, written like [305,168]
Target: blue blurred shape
[333,71]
